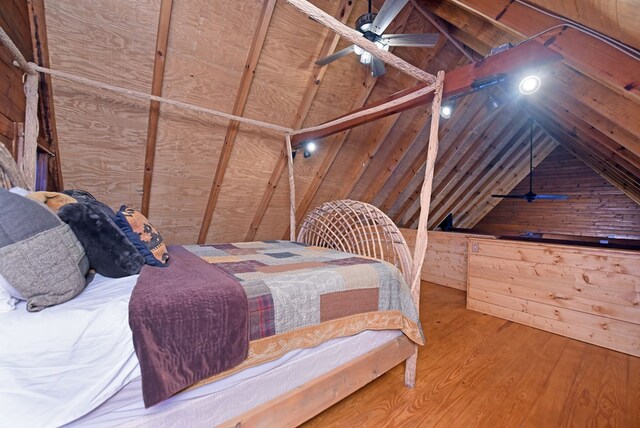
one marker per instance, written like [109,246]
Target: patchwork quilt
[300,296]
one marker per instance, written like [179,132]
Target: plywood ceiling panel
[102,137]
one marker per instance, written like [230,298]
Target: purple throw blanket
[189,322]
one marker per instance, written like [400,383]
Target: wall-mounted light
[529,84]
[309,148]
[446,110]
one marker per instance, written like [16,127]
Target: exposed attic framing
[595,108]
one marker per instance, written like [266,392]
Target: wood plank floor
[480,371]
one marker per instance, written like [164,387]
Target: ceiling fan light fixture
[446,110]
[529,84]
[363,24]
[365,57]
[357,50]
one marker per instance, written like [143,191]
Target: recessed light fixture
[529,84]
[447,109]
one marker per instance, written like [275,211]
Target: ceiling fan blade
[553,197]
[387,12]
[413,40]
[377,67]
[510,196]
[327,59]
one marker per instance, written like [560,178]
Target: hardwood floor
[480,371]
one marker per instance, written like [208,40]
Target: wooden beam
[460,119]
[482,173]
[611,113]
[470,166]
[458,82]
[621,178]
[583,123]
[520,171]
[47,111]
[162,39]
[494,182]
[238,108]
[454,145]
[583,52]
[328,47]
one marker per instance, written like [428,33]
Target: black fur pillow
[109,251]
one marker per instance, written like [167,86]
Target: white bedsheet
[60,363]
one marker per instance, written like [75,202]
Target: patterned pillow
[39,254]
[143,235]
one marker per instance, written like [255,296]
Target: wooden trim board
[311,398]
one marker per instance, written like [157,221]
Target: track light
[529,84]
[309,148]
[447,109]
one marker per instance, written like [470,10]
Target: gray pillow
[39,254]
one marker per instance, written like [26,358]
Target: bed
[90,375]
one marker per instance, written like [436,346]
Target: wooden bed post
[422,236]
[292,189]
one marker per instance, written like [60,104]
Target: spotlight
[529,84]
[309,148]
[447,109]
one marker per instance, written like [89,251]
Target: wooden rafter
[162,39]
[47,113]
[458,82]
[507,182]
[449,130]
[328,47]
[238,108]
[583,122]
[590,152]
[470,165]
[454,144]
[483,173]
[585,53]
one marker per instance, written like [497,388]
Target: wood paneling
[446,260]
[587,294]
[481,371]
[14,19]
[102,136]
[594,208]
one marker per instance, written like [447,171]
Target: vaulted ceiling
[256,59]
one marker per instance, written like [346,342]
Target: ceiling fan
[530,196]
[372,27]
